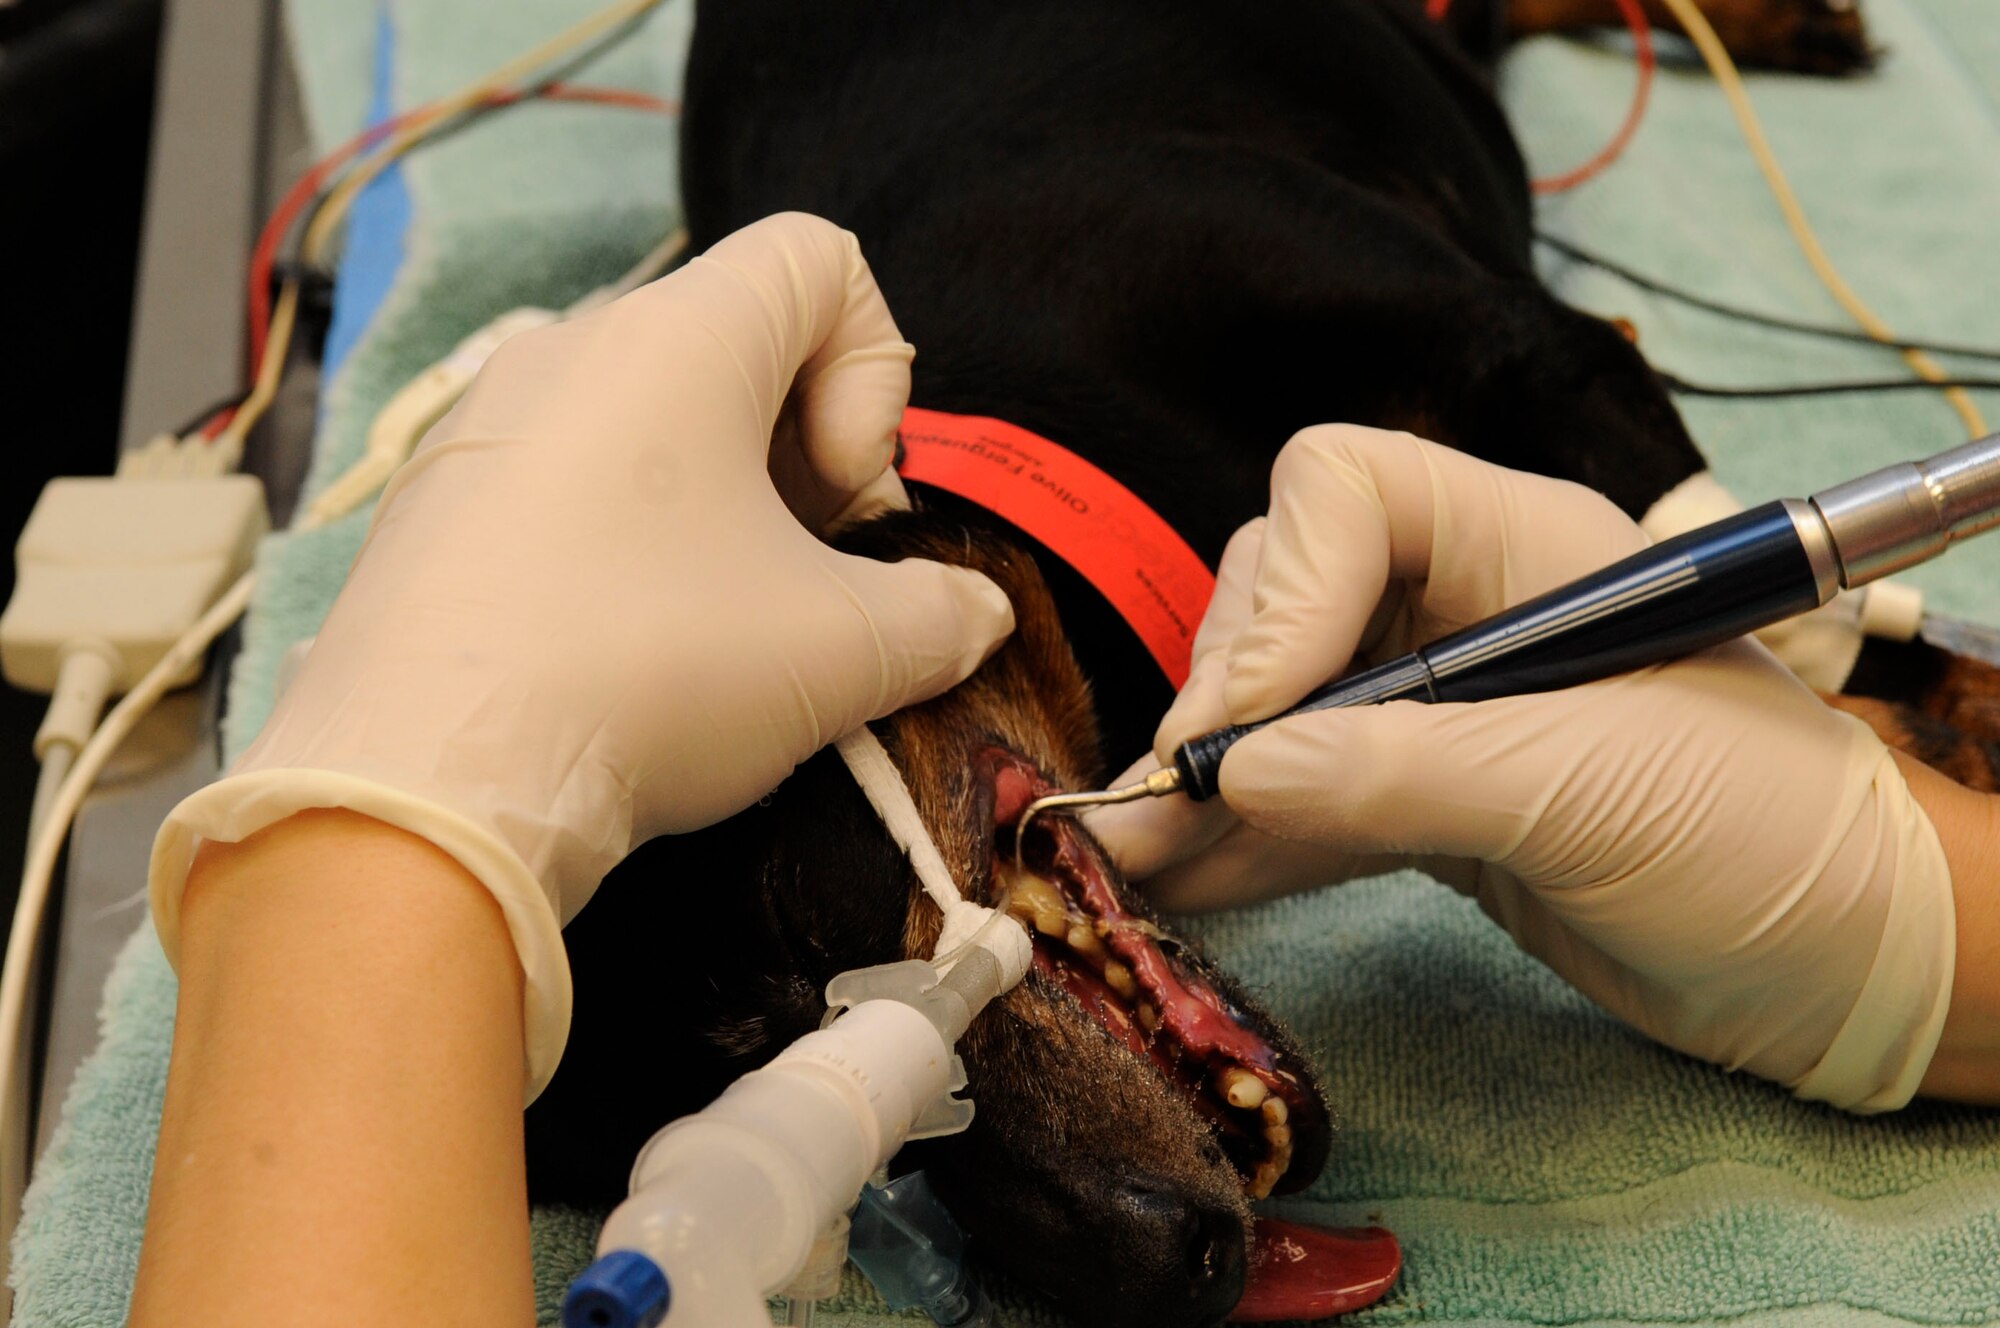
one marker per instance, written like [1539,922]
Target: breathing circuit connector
[909,1247]
[727,1203]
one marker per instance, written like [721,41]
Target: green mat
[1541,1163]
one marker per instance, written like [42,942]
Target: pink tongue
[1301,1272]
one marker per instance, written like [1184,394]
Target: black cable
[1677,384]
[1644,282]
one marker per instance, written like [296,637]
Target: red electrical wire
[263,257]
[1642,40]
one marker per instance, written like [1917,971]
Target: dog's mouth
[1153,997]
[1142,986]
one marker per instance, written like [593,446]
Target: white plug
[121,568]
[418,405]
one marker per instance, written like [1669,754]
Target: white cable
[47,843]
[883,786]
[56,765]
[22,966]
[55,768]
[656,261]
[966,925]
[83,681]
[423,401]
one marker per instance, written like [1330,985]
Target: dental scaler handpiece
[1696,590]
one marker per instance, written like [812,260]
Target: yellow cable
[1724,70]
[270,371]
[327,218]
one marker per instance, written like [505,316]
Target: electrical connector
[420,403]
[122,567]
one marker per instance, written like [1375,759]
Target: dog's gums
[1122,969]
[1137,982]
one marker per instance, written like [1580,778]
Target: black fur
[1168,237]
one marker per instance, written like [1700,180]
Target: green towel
[1541,1163]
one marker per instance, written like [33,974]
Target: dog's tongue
[1302,1272]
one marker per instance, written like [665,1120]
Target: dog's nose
[1200,1258]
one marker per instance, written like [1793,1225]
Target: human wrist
[1966,1066]
[324,861]
[1905,961]
[255,803]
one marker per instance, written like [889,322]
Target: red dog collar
[1136,560]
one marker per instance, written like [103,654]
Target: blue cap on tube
[624,1289]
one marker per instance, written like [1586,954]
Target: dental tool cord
[1724,70]
[17,978]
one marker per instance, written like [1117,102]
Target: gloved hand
[1703,848]
[584,614]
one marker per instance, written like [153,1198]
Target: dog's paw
[1826,37]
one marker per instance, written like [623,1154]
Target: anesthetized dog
[1164,237]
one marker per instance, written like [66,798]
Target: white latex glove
[584,614]
[1703,848]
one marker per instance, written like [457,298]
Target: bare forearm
[1966,1067]
[341,1140]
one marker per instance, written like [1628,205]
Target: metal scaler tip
[1156,785]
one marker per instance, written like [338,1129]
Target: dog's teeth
[1120,978]
[1036,902]
[1242,1088]
[1149,1018]
[1083,940]
[1278,1142]
[1140,925]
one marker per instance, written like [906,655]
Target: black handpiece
[1693,591]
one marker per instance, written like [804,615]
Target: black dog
[1166,237]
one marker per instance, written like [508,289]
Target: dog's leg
[1809,36]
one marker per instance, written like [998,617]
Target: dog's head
[1130,1097]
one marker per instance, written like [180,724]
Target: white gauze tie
[964,921]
